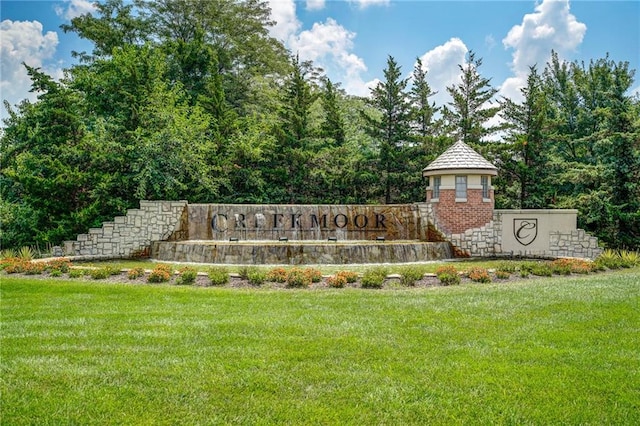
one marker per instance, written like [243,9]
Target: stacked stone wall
[131,234]
[486,241]
[574,244]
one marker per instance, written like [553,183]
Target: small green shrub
[411,275]
[187,276]
[76,273]
[448,275]
[542,269]
[7,253]
[561,266]
[315,275]
[62,264]
[350,276]
[373,278]
[629,259]
[509,267]
[26,253]
[14,265]
[135,273]
[99,273]
[502,275]
[55,273]
[277,275]
[218,275]
[160,274]
[524,273]
[337,281]
[256,276]
[610,259]
[34,268]
[479,275]
[297,278]
[527,267]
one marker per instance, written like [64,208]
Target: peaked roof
[460,156]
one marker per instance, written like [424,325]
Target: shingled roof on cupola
[460,158]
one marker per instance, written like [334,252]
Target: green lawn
[544,351]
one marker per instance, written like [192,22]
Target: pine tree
[392,130]
[470,110]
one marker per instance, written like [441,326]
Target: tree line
[192,99]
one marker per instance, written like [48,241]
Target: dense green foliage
[192,99]
[544,351]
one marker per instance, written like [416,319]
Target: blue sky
[352,39]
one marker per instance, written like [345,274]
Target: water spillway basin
[298,252]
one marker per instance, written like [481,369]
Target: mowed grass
[545,351]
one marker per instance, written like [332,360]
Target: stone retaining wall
[132,234]
[558,235]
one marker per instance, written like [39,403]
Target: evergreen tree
[333,124]
[392,129]
[468,113]
[523,160]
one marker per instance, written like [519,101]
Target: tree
[392,129]
[523,160]
[470,109]
[333,125]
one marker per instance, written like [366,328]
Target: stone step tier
[131,234]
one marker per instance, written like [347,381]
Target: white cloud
[283,12]
[550,27]
[74,8]
[442,66]
[328,44]
[24,41]
[363,4]
[315,4]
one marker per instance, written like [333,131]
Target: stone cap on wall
[460,158]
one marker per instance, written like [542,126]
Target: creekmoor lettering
[219,221]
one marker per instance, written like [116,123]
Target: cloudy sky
[351,39]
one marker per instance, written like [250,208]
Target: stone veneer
[487,240]
[132,234]
[154,221]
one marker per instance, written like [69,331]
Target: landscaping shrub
[409,276]
[373,278]
[187,276]
[610,259]
[315,276]
[479,275]
[135,273]
[542,269]
[256,276]
[297,278]
[7,254]
[337,281]
[99,273]
[502,275]
[277,275]
[448,275]
[509,267]
[561,266]
[219,275]
[55,273]
[26,253]
[629,259]
[76,273]
[350,276]
[14,265]
[34,268]
[160,274]
[61,264]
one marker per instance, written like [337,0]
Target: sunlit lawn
[544,351]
